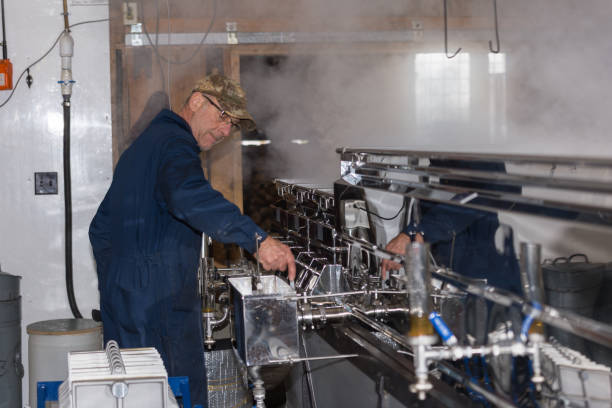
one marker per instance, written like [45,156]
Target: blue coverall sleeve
[100,235]
[443,221]
[188,196]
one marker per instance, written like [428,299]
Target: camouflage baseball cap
[230,95]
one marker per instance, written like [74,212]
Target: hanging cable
[495,51]
[380,216]
[446,34]
[66,53]
[68,214]
[179,62]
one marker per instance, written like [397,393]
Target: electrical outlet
[45,183]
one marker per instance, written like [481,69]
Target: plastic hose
[68,212]
[537,307]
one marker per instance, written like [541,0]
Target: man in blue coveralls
[147,233]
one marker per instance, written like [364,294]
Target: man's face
[207,126]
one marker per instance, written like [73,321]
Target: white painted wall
[31,133]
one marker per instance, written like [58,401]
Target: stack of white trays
[127,378]
[582,382]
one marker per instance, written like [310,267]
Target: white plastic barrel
[49,343]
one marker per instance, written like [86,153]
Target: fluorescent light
[300,141]
[255,142]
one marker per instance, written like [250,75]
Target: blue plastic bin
[46,391]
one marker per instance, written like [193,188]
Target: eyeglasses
[223,115]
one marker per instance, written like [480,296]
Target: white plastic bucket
[49,343]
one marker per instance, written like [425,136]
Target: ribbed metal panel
[11,369]
[227,383]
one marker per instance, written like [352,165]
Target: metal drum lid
[572,276]
[61,327]
[9,286]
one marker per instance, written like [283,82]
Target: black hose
[68,210]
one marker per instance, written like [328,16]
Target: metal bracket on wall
[232,32]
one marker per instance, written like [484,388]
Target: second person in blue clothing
[146,235]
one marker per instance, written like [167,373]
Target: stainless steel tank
[11,369]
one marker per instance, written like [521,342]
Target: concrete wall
[31,133]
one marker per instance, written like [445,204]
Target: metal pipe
[458,352]
[533,290]
[256,278]
[342,294]
[218,322]
[211,323]
[205,251]
[418,278]
[292,360]
[347,153]
[333,313]
[259,390]
[531,272]
[339,294]
[490,200]
[497,178]
[379,327]
[576,324]
[444,367]
[579,325]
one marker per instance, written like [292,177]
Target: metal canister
[572,284]
[11,369]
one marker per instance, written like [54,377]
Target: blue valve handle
[445,333]
[537,307]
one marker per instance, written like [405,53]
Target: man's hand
[398,246]
[274,255]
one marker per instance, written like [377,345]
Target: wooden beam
[116,36]
[226,163]
[300,24]
[231,63]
